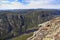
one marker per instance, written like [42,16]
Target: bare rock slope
[49,30]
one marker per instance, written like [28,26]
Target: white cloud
[33,4]
[13,5]
[44,4]
[5,1]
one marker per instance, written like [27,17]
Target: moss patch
[23,37]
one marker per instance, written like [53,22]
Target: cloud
[49,4]
[3,1]
[13,5]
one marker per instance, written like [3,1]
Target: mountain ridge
[22,21]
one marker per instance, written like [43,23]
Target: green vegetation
[23,37]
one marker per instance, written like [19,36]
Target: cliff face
[15,23]
[49,30]
[11,25]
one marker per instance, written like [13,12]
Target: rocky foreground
[49,30]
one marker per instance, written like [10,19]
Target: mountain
[17,22]
[49,30]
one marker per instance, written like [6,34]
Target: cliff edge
[49,30]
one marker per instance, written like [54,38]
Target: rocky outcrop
[49,30]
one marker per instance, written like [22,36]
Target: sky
[29,4]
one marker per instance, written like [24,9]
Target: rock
[49,30]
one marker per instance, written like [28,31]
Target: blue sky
[23,2]
[29,4]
